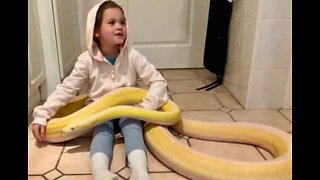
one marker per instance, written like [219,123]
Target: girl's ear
[96,34]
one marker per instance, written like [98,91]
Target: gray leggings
[103,136]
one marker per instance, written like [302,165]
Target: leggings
[103,136]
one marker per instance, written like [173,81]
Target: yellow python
[76,119]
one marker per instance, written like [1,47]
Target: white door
[36,70]
[55,25]
[171,34]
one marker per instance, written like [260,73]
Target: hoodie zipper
[113,73]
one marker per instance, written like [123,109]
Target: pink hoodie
[103,77]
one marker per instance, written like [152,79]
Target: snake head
[71,128]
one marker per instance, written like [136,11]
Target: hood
[92,46]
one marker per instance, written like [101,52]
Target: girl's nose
[118,26]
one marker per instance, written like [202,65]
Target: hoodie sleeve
[62,94]
[157,94]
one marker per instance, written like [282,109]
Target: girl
[108,64]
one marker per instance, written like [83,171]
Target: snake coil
[76,119]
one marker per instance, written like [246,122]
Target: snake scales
[76,119]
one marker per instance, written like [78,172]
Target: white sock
[138,165]
[100,167]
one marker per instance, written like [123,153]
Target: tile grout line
[231,116]
[77,174]
[279,111]
[61,175]
[43,175]
[60,156]
[262,153]
[188,141]
[38,175]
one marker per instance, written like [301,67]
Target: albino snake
[76,119]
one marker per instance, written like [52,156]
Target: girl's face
[113,29]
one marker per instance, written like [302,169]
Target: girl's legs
[131,130]
[101,151]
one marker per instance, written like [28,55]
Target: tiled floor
[70,160]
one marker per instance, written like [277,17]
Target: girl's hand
[38,131]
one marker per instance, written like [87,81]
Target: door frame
[50,50]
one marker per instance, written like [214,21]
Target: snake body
[75,119]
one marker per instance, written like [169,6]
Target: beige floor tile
[265,117]
[78,145]
[86,135]
[155,165]
[179,136]
[179,74]
[75,163]
[119,155]
[266,153]
[225,109]
[225,150]
[214,115]
[35,178]
[196,101]
[75,158]
[120,178]
[287,113]
[166,176]
[53,174]
[44,159]
[219,89]
[205,74]
[175,133]
[125,173]
[76,177]
[184,86]
[228,101]
[183,140]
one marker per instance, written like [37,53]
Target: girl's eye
[111,22]
[123,22]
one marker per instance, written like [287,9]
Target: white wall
[287,104]
[259,54]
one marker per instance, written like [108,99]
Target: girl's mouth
[119,34]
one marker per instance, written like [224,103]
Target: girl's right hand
[38,131]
